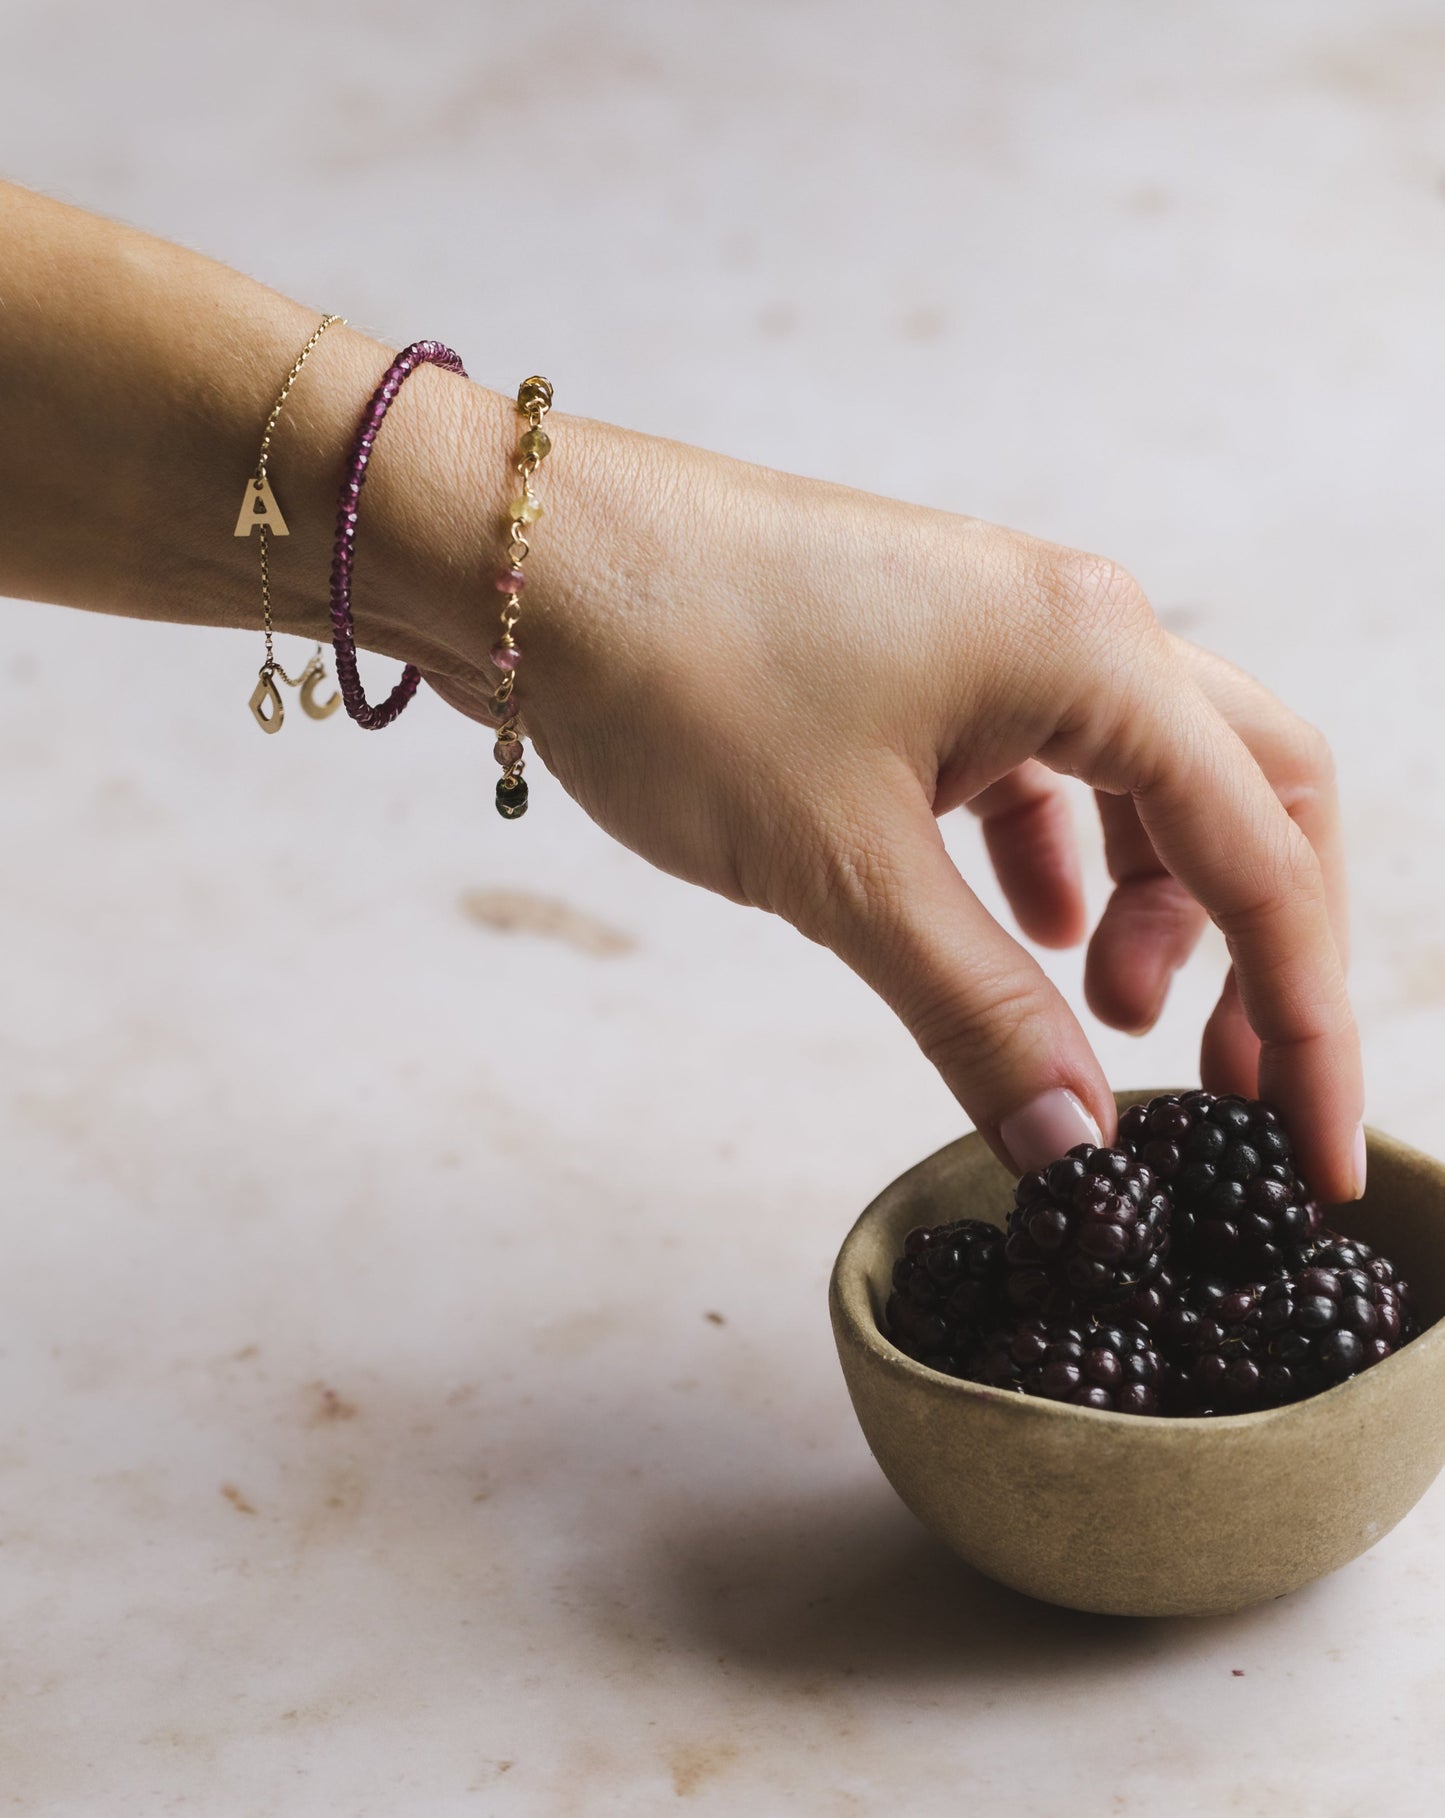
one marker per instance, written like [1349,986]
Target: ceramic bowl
[1139,1516]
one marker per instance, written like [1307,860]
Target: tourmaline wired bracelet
[534,400]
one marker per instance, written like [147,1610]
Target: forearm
[136,377]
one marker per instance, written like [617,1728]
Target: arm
[766,685]
[136,378]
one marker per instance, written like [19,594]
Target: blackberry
[1201,1312]
[947,1284]
[1148,1305]
[1089,1230]
[1332,1251]
[1193,1313]
[1092,1364]
[1278,1341]
[1240,1207]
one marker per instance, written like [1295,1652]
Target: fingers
[980,1007]
[1229,1055]
[1219,827]
[1295,758]
[1150,925]
[1029,832]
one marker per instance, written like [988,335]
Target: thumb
[982,1009]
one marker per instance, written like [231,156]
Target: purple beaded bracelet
[343,632]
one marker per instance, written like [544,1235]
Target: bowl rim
[848,1293]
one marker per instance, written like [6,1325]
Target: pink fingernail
[1360,1162]
[1046,1128]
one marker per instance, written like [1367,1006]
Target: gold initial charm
[266,695]
[259,507]
[312,677]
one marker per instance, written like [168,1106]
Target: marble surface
[398,1419]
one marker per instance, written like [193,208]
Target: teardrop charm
[265,694]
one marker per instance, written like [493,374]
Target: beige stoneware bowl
[1138,1516]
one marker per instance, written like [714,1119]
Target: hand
[764,684]
[772,687]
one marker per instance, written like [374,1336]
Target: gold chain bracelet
[259,511]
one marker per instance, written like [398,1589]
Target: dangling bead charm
[512,797]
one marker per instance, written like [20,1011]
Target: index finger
[1218,825]
[1293,755]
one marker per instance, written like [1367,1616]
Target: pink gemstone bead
[506,656]
[507,751]
[511,580]
[503,710]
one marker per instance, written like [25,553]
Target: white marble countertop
[394,1420]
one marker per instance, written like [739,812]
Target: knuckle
[1286,886]
[1148,902]
[1094,592]
[977,1035]
[1311,771]
[845,883]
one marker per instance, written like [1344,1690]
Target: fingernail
[1360,1162]
[1046,1128]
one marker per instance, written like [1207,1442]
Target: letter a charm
[259,507]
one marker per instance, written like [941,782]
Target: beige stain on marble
[329,1406]
[777,321]
[693,1763]
[1390,66]
[1419,977]
[925,323]
[579,1333]
[520,912]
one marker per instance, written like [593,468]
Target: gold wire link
[271,667]
[285,391]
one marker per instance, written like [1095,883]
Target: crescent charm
[311,680]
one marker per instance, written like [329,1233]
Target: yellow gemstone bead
[525,510]
[536,442]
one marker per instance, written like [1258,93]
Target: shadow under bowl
[1134,1515]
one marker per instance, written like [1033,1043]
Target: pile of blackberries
[1185,1271]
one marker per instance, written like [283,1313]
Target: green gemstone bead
[512,801]
[536,442]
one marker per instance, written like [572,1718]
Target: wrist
[445,535]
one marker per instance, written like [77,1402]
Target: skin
[766,685]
